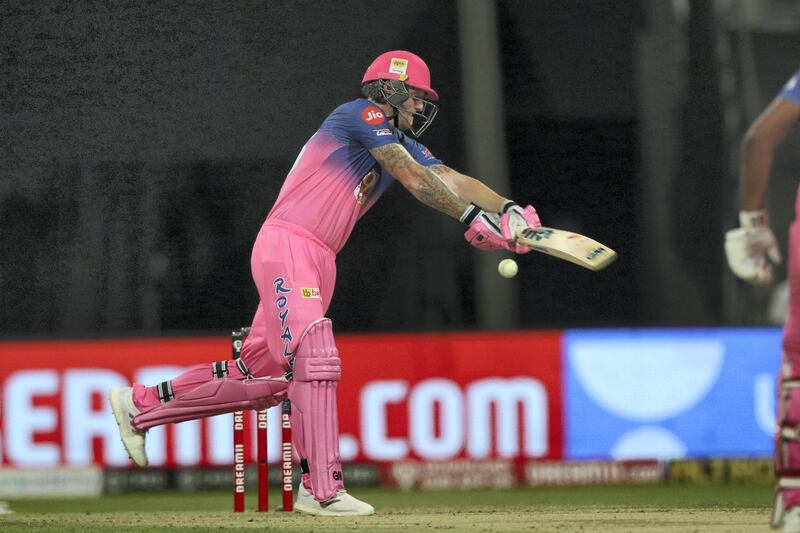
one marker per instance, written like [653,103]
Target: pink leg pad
[145,398]
[215,397]
[314,418]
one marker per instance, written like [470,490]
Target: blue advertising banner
[670,393]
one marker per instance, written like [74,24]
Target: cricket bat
[572,247]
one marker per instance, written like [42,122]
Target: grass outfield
[664,508]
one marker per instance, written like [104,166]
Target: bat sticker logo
[594,253]
[538,234]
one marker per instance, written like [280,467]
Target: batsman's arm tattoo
[425,184]
[441,170]
[435,193]
[469,189]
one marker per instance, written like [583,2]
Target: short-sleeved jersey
[335,180]
[791,91]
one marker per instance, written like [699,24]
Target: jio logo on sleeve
[372,115]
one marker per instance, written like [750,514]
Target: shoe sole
[300,508]
[118,411]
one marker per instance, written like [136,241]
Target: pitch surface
[652,509]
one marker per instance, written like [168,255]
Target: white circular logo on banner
[648,442]
[647,381]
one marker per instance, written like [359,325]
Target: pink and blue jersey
[335,180]
[791,91]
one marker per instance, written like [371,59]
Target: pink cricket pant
[295,275]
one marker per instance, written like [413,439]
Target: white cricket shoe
[121,399]
[342,504]
[791,520]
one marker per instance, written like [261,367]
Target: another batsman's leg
[786,510]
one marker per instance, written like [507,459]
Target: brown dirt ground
[541,519]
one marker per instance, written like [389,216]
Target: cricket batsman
[360,149]
[751,250]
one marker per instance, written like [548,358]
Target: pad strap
[219,369]
[243,367]
[164,390]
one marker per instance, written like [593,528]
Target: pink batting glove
[484,229]
[515,219]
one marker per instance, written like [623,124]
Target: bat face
[572,247]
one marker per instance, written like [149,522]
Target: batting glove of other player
[484,229]
[514,219]
[751,249]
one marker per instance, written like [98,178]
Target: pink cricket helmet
[404,66]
